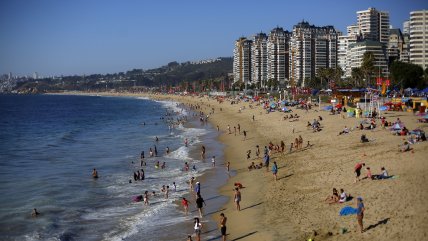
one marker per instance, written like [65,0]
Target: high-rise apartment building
[373,25]
[419,38]
[278,55]
[242,60]
[259,59]
[311,48]
[357,50]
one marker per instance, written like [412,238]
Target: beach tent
[396,127]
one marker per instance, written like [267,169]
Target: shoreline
[293,207]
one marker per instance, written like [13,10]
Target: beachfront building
[418,38]
[259,60]
[405,55]
[395,45]
[357,50]
[342,47]
[374,25]
[278,55]
[311,48]
[242,61]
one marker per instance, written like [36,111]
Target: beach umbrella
[338,105]
[425,90]
[329,107]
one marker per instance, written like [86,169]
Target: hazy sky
[85,37]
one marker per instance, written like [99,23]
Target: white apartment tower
[277,55]
[242,60]
[259,59]
[357,50]
[374,25]
[311,48]
[419,38]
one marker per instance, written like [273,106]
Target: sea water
[50,144]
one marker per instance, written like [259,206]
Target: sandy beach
[293,207]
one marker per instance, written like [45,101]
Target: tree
[407,75]
[367,66]
[272,83]
[357,75]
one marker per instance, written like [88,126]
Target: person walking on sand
[245,134]
[360,213]
[223,221]
[237,199]
[228,128]
[266,159]
[197,227]
[228,166]
[199,204]
[239,129]
[275,171]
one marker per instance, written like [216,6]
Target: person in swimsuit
[237,199]
[357,171]
[185,203]
[199,204]
[275,171]
[146,198]
[95,173]
[197,227]
[223,220]
[360,213]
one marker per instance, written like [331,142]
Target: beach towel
[347,211]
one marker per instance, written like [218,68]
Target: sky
[59,37]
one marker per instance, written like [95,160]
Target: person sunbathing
[364,138]
[251,167]
[382,175]
[343,196]
[405,147]
[345,131]
[333,198]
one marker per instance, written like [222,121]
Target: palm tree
[357,75]
[367,66]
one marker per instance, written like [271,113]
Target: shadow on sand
[384,221]
[254,205]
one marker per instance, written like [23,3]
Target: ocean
[49,145]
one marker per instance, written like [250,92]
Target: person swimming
[95,173]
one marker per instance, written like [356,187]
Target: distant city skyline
[87,37]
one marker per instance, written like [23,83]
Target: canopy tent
[396,127]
